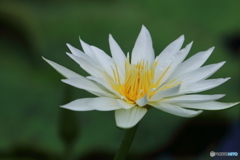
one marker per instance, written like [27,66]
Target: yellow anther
[139,81]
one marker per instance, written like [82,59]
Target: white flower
[131,88]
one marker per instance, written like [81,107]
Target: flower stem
[126,143]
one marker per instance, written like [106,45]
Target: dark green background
[31,91]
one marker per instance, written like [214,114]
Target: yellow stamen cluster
[139,81]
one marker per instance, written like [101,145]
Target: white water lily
[166,82]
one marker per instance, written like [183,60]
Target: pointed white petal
[165,61]
[208,105]
[196,98]
[143,48]
[181,55]
[79,105]
[127,118]
[104,104]
[95,81]
[62,70]
[84,83]
[76,51]
[101,86]
[142,101]
[201,73]
[100,94]
[202,85]
[161,70]
[177,60]
[194,62]
[87,49]
[175,110]
[104,60]
[165,93]
[171,49]
[124,104]
[118,57]
[87,104]
[87,65]
[104,82]
[100,53]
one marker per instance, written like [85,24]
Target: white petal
[208,105]
[181,55]
[87,49]
[202,85]
[175,110]
[196,98]
[165,93]
[124,104]
[76,51]
[100,94]
[87,65]
[87,104]
[84,83]
[143,49]
[79,105]
[142,101]
[161,70]
[127,118]
[104,82]
[170,50]
[95,81]
[118,57]
[194,62]
[167,57]
[62,70]
[201,73]
[104,104]
[177,60]
[104,60]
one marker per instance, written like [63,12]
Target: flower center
[139,81]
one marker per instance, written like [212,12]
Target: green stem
[126,143]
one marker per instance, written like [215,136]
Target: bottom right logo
[212,153]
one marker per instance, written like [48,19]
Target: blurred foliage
[31,91]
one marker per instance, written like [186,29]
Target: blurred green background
[32,125]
